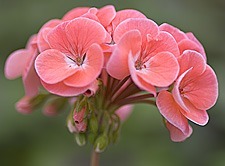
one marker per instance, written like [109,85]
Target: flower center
[79,61]
[138,64]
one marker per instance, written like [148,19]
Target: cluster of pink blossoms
[101,62]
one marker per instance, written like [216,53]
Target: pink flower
[185,41]
[194,92]
[75,59]
[21,63]
[151,61]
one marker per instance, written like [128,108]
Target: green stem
[94,158]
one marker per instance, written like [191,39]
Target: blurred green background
[37,140]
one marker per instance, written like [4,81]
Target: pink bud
[92,89]
[79,116]
[50,110]
[124,112]
[82,126]
[24,106]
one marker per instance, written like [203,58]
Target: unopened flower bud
[54,107]
[101,143]
[80,139]
[124,112]
[79,116]
[92,89]
[92,137]
[71,126]
[93,124]
[81,126]
[24,105]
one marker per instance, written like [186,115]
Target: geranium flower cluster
[102,61]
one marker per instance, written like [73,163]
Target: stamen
[138,64]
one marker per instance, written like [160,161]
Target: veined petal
[63,90]
[42,41]
[139,81]
[176,134]
[31,81]
[57,39]
[188,44]
[176,90]
[160,44]
[175,32]
[74,13]
[171,111]
[126,14]
[117,65]
[89,70]
[16,63]
[106,14]
[52,66]
[42,34]
[82,33]
[143,25]
[195,115]
[191,59]
[161,70]
[202,91]
[194,39]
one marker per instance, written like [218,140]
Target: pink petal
[139,81]
[124,112]
[63,90]
[42,34]
[117,65]
[82,33]
[42,41]
[52,66]
[160,43]
[175,32]
[176,90]
[188,44]
[106,14]
[161,70]
[91,14]
[197,116]
[177,135]
[32,42]
[57,39]
[143,25]
[51,24]
[74,13]
[89,70]
[194,39]
[16,63]
[191,59]
[172,111]
[31,80]
[93,88]
[202,90]
[125,14]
